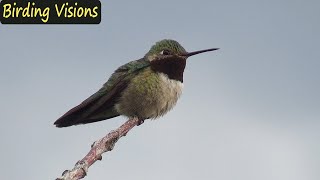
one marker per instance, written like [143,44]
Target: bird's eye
[165,52]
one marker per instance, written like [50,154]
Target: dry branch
[97,149]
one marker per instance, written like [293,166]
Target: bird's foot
[141,121]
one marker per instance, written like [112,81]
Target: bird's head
[171,49]
[169,57]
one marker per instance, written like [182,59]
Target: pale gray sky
[250,111]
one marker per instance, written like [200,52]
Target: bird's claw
[141,121]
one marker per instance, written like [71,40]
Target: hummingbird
[146,88]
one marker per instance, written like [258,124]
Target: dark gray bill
[198,52]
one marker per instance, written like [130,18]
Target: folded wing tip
[60,123]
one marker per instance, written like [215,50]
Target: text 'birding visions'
[50,12]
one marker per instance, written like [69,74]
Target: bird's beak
[188,54]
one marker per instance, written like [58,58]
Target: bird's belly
[149,95]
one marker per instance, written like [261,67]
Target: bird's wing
[100,105]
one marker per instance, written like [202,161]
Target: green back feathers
[168,44]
